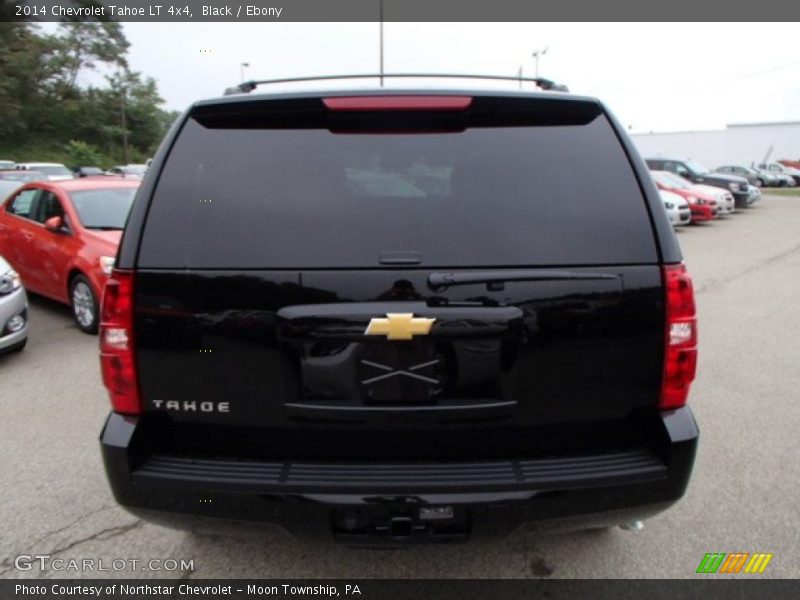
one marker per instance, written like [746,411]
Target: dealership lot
[743,496]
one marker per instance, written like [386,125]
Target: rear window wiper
[495,280]
[104,228]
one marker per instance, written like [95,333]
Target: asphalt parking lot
[744,495]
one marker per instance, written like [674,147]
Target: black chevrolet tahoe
[398,316]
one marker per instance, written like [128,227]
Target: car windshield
[670,180]
[103,208]
[54,170]
[699,169]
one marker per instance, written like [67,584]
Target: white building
[737,144]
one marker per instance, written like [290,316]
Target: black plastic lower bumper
[741,199]
[398,502]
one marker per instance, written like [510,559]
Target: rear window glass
[310,198]
[103,208]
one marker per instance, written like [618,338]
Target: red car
[703,206]
[62,237]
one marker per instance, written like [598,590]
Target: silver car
[13,310]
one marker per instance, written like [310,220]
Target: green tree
[26,60]
[82,46]
[44,107]
[82,154]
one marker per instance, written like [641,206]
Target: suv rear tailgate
[279,230]
[536,354]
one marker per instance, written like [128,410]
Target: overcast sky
[655,77]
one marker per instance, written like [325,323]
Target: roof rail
[248,86]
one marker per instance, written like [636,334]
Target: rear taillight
[117,360]
[680,355]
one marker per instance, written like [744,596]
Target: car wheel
[759,183]
[84,304]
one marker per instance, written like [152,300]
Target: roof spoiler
[248,86]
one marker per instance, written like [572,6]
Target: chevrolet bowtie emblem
[399,326]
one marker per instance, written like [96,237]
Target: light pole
[380,40]
[536,56]
[241,70]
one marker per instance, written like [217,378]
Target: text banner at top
[397,10]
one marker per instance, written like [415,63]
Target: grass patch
[795,191]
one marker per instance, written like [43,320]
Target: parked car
[62,238]
[726,205]
[23,176]
[770,179]
[703,206]
[136,171]
[677,208]
[13,310]
[785,180]
[7,164]
[755,194]
[696,173]
[53,171]
[756,177]
[784,171]
[409,371]
[89,172]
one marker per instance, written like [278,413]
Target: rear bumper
[400,502]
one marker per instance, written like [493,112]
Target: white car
[677,208]
[53,171]
[755,195]
[726,204]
